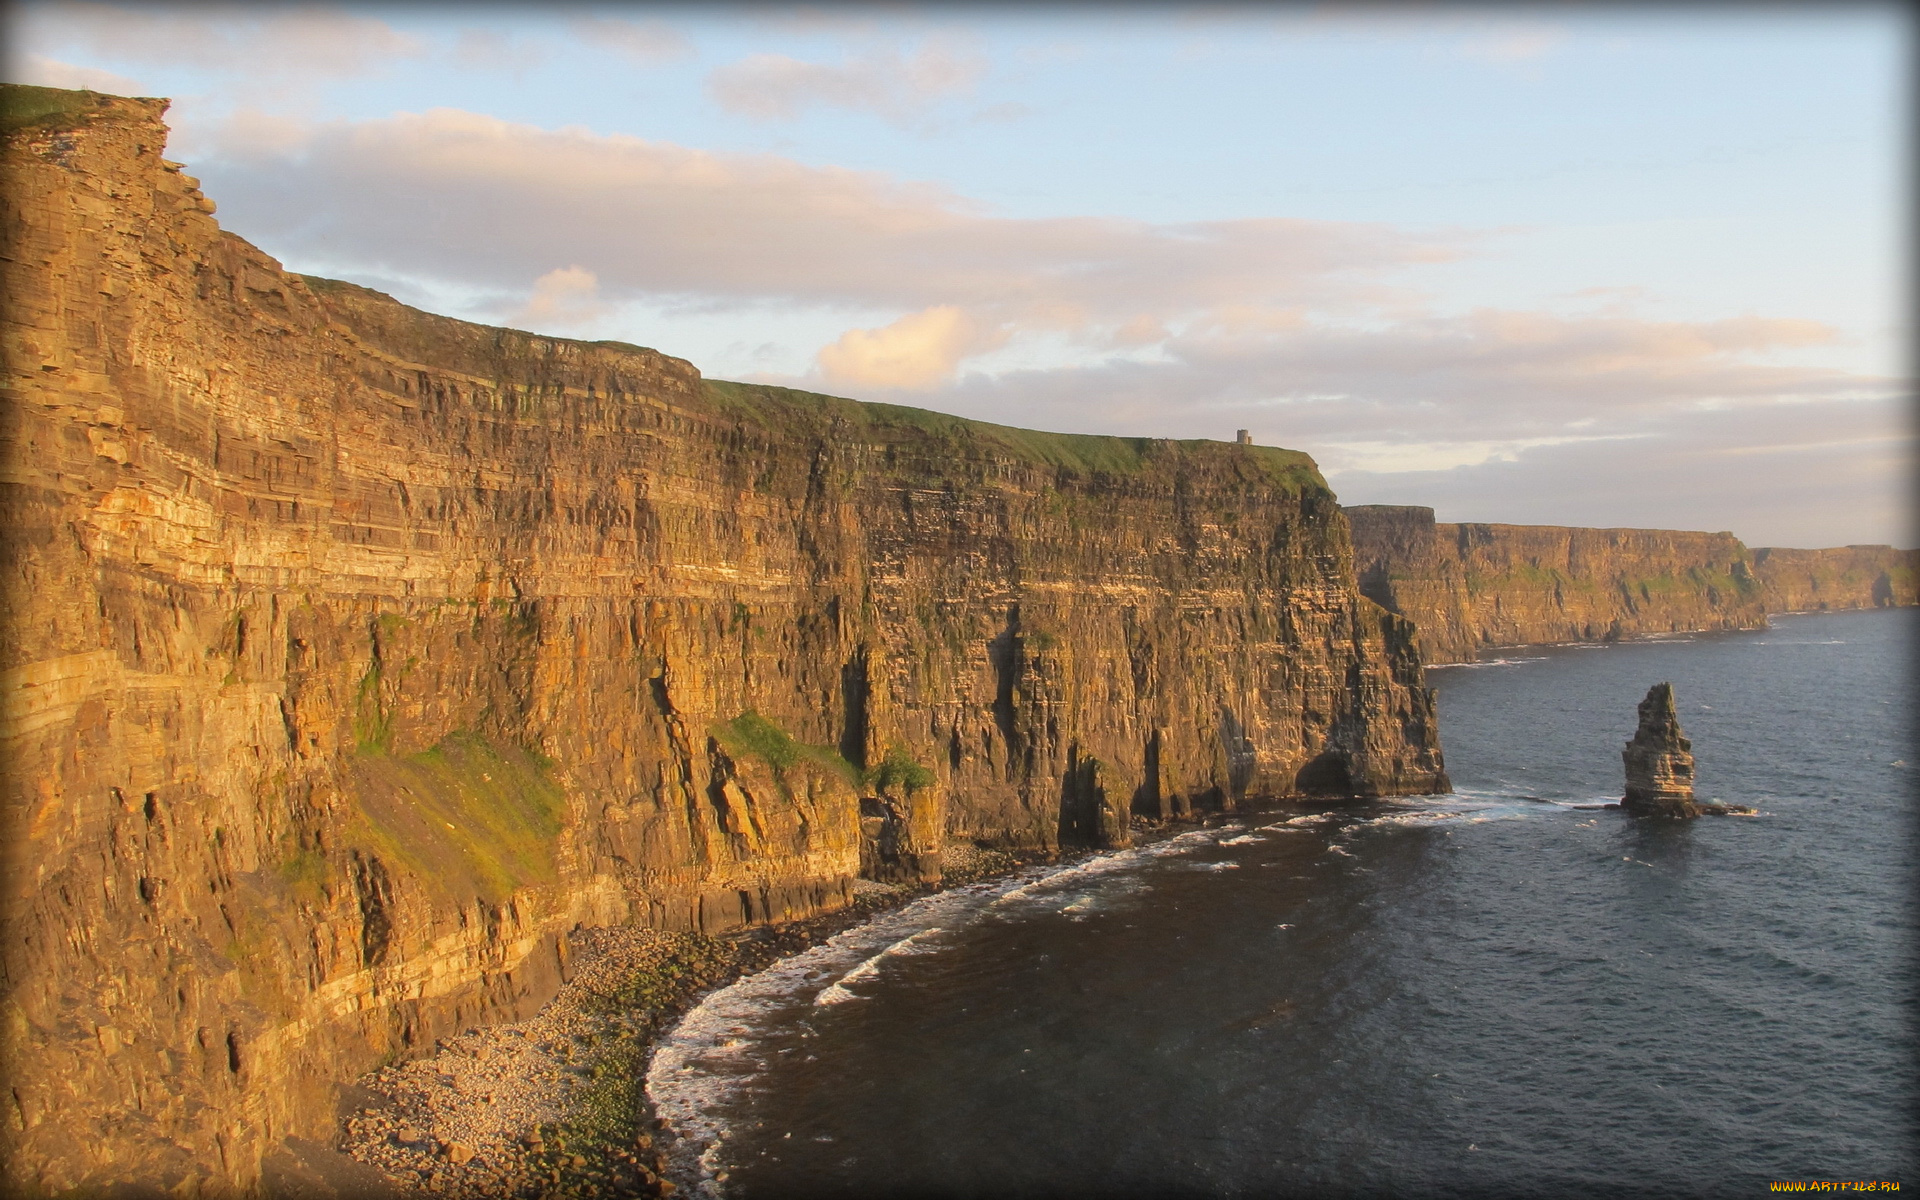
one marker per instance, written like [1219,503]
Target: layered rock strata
[1842,577]
[1659,761]
[355,654]
[1471,588]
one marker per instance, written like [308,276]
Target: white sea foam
[837,993]
[1502,662]
[1297,822]
[1413,818]
[701,1067]
[1241,839]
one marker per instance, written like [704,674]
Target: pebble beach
[555,1105]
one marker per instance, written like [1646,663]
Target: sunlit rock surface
[356,654]
[1659,760]
[1471,589]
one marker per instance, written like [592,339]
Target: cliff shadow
[1325,774]
[1004,651]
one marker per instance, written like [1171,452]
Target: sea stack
[1659,761]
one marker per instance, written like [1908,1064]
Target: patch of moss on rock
[752,734]
[899,770]
[466,815]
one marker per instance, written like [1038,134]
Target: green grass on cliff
[23,105]
[752,734]
[898,769]
[411,333]
[467,815]
[1079,453]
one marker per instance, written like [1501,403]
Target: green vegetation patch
[23,105]
[466,814]
[304,872]
[752,734]
[898,769]
[610,1113]
[372,719]
[1079,453]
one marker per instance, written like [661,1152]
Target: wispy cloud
[50,72]
[562,298]
[417,192]
[1790,474]
[251,40]
[490,50]
[644,42]
[1307,332]
[898,88]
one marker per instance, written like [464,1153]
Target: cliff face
[1471,587]
[1837,578]
[356,654]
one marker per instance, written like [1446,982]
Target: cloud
[1400,457]
[252,40]
[1519,431]
[917,351]
[644,42]
[1528,367]
[1305,332]
[566,296]
[415,193]
[772,87]
[1467,387]
[1790,475]
[1002,114]
[48,72]
[490,50]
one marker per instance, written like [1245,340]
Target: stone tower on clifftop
[1659,760]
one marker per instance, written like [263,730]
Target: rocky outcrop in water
[1472,588]
[356,654]
[1659,761]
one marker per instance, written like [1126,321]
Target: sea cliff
[1471,588]
[356,654]
[1841,577]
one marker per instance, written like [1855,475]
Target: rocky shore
[555,1106]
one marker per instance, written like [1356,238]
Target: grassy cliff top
[1081,453]
[431,339]
[25,106]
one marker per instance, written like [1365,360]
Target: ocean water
[1488,994]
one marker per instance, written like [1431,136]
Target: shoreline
[556,1105]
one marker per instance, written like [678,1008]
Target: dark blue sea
[1496,993]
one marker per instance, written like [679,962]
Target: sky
[1603,266]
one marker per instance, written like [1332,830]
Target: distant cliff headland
[1472,588]
[356,654]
